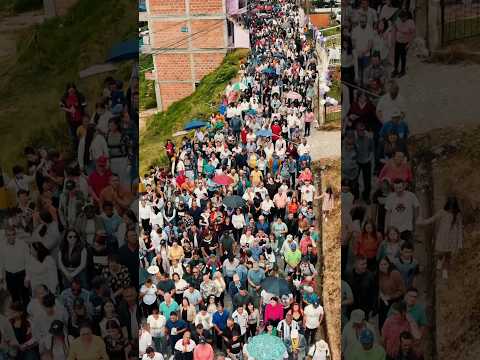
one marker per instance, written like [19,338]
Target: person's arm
[83,264]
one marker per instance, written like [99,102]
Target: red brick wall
[173,67]
[165,33]
[205,63]
[206,7]
[167,7]
[173,92]
[213,37]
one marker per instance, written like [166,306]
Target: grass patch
[50,55]
[147,87]
[198,105]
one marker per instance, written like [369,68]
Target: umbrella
[153,270]
[222,179]
[233,202]
[195,124]
[266,347]
[275,285]
[97,69]
[293,95]
[239,86]
[126,50]
[264,133]
[269,71]
[180,133]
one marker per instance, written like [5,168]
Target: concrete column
[434,24]
[49,8]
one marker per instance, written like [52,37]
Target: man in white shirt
[308,192]
[390,103]
[150,354]
[13,261]
[312,317]
[304,148]
[403,209]
[286,326]
[319,351]
[362,41]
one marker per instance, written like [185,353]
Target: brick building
[188,39]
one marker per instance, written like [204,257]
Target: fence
[459,19]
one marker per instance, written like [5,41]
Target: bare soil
[330,278]
[457,300]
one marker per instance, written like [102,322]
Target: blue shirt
[256,276]
[242,272]
[401,129]
[256,251]
[265,227]
[167,310]
[220,319]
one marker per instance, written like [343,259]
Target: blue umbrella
[266,347]
[195,124]
[264,133]
[269,71]
[127,50]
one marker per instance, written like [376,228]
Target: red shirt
[99,182]
[243,135]
[276,130]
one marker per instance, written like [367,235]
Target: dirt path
[433,102]
[145,116]
[10,27]
[325,144]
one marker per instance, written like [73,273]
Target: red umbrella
[222,180]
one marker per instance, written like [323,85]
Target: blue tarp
[127,50]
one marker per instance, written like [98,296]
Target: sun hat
[153,270]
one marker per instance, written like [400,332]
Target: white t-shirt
[157,356]
[144,342]
[307,192]
[361,38]
[150,294]
[312,316]
[190,346]
[157,326]
[319,350]
[402,210]
[387,106]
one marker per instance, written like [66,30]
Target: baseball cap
[357,316]
[396,113]
[366,337]
[293,246]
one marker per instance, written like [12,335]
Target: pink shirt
[309,117]
[273,313]
[405,31]
[391,331]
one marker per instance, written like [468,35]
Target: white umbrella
[97,69]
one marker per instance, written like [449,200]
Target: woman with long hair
[449,235]
[41,268]
[72,258]
[367,244]
[118,143]
[56,345]
[391,288]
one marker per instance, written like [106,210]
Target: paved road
[325,144]
[440,95]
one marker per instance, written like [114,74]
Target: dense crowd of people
[228,245]
[69,259]
[383,303]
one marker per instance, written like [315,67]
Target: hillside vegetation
[50,55]
[199,105]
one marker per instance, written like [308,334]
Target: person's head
[360,264]
[393,89]
[113,327]
[411,297]
[130,295]
[39,251]
[10,234]
[452,206]
[398,185]
[57,328]
[406,250]
[150,351]
[173,316]
[403,15]
[366,338]
[363,20]
[185,302]
[86,333]
[71,237]
[220,307]
[406,341]
[393,235]
[385,266]
[274,301]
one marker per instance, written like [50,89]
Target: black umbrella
[276,286]
[233,201]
